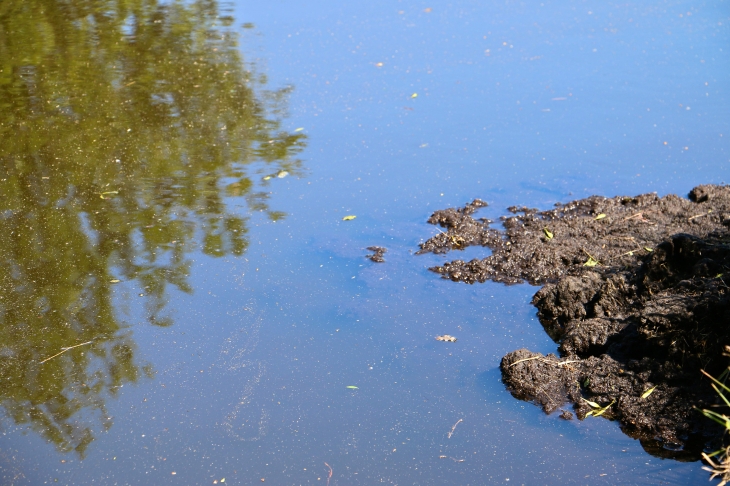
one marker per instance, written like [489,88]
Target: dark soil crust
[651,313]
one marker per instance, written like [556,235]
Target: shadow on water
[123,126]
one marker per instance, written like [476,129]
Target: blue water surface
[410,107]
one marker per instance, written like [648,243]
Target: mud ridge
[635,294]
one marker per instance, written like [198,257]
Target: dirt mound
[543,246]
[636,296]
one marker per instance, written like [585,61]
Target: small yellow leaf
[414,95]
[601,411]
[592,404]
[648,392]
[299,129]
[547,232]
[282,174]
[352,387]
[349,217]
[266,178]
[592,262]
[648,249]
[114,280]
[600,216]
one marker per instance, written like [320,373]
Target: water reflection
[123,128]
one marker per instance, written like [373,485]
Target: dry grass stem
[454,427]
[66,349]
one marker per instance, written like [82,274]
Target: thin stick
[524,359]
[561,363]
[541,358]
[632,251]
[639,215]
[330,476]
[454,427]
[64,350]
[698,216]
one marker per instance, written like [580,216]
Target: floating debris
[378,252]
[446,337]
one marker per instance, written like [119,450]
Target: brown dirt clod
[651,312]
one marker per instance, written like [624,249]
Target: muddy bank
[635,294]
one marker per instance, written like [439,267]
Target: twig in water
[64,350]
[454,427]
[330,475]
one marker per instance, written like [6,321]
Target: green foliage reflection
[124,125]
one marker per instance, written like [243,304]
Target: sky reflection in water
[150,152]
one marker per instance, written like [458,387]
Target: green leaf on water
[547,232]
[352,387]
[600,216]
[349,217]
[648,392]
[592,262]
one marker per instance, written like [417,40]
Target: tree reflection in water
[124,124]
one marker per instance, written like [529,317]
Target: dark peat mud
[635,294]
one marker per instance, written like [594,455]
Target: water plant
[720,466]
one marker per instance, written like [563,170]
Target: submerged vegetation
[124,125]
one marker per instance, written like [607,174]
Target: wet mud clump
[378,252]
[635,295]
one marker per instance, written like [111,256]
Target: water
[161,204]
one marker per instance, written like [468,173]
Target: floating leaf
[592,262]
[266,178]
[547,232]
[351,387]
[648,392]
[446,338]
[114,280]
[600,216]
[414,95]
[299,129]
[107,193]
[349,217]
[648,249]
[282,174]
